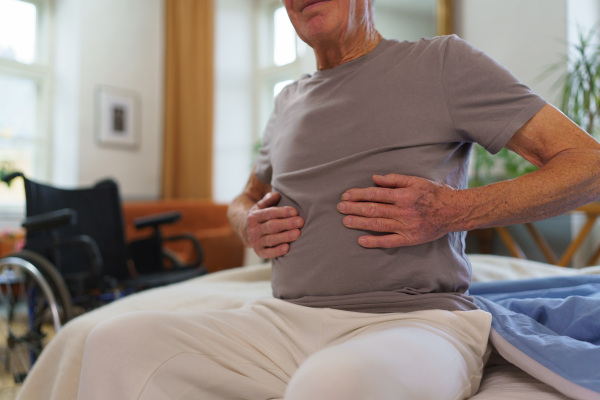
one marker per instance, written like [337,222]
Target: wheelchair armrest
[50,220]
[157,219]
[198,249]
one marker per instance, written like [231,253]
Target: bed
[56,374]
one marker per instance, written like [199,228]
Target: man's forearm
[237,214]
[569,176]
[411,210]
[238,210]
[566,182]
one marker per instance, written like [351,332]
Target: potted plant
[6,167]
[489,168]
[580,97]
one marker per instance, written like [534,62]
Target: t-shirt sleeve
[487,104]
[263,167]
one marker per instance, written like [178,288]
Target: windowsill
[11,216]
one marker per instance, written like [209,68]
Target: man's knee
[394,364]
[335,373]
[122,332]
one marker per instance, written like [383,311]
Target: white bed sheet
[55,375]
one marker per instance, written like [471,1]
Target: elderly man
[359,197]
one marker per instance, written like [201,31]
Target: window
[17,30]
[284,40]
[282,57]
[24,90]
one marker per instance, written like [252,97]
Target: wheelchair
[75,259]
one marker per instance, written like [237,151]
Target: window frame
[266,73]
[40,73]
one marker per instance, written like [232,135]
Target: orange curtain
[445,17]
[188,117]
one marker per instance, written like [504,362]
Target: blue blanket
[549,327]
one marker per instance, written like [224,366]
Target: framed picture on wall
[117,117]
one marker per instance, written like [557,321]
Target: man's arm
[415,210]
[262,225]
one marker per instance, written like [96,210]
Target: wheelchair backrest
[99,216]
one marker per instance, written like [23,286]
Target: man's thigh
[249,352]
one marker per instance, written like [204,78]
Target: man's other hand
[409,209]
[270,229]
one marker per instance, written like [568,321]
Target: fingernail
[346,196]
[362,241]
[341,207]
[298,222]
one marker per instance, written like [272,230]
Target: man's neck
[332,54]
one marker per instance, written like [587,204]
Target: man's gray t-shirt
[411,108]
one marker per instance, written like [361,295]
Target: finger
[372,194]
[384,225]
[274,226]
[266,214]
[368,209]
[273,252]
[383,242]
[269,200]
[393,180]
[279,238]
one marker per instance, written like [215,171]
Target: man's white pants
[272,349]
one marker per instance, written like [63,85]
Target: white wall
[406,19]
[115,43]
[526,36]
[582,15]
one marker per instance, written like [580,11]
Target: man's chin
[318,30]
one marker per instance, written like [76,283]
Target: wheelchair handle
[9,177]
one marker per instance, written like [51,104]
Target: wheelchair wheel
[34,303]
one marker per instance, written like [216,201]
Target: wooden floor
[8,387]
